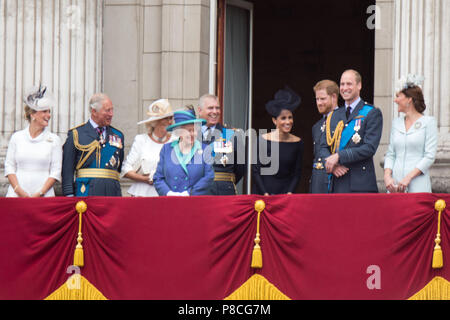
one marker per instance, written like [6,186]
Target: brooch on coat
[417,125]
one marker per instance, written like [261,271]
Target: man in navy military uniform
[93,154]
[327,93]
[352,137]
[226,146]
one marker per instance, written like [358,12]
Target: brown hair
[329,86]
[28,113]
[415,93]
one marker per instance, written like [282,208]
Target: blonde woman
[34,156]
[140,164]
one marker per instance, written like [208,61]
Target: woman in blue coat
[182,170]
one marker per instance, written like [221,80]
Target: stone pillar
[419,45]
[58,43]
[185,50]
[383,90]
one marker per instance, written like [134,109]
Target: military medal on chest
[102,140]
[356,137]
[322,128]
[115,141]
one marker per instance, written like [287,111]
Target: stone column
[420,45]
[58,43]
[185,50]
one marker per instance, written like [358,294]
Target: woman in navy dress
[182,170]
[280,153]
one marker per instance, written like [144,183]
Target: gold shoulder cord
[334,141]
[89,148]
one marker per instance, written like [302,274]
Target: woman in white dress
[140,164]
[34,156]
[413,142]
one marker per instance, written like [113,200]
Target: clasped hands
[332,166]
[393,187]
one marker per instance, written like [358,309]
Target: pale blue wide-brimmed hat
[183,117]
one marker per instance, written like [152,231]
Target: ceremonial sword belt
[98,173]
[224,176]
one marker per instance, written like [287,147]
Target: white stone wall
[58,43]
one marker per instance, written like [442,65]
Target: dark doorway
[298,43]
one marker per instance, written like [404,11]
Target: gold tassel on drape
[78,257]
[257,253]
[438,259]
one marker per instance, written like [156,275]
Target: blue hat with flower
[183,117]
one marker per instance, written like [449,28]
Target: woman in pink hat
[140,164]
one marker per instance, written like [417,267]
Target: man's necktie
[348,111]
[208,134]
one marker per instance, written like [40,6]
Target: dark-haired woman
[280,153]
[34,156]
[413,143]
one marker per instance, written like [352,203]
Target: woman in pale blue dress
[413,144]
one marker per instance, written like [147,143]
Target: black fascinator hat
[284,99]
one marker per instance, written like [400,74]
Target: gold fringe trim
[436,289]
[257,288]
[77,287]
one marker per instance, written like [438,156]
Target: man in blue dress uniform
[351,139]
[327,93]
[93,154]
[226,145]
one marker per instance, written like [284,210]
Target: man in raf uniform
[93,154]
[226,146]
[327,93]
[351,139]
